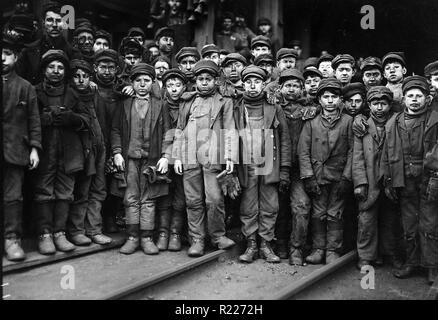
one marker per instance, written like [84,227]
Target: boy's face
[354,104]
[433,81]
[227,24]
[311,84]
[165,44]
[291,89]
[174,6]
[175,88]
[325,67]
[186,65]
[85,41]
[213,57]
[100,43]
[81,79]
[154,52]
[52,24]
[205,82]
[414,99]
[379,107]
[106,70]
[9,58]
[286,63]
[329,101]
[394,72]
[258,50]
[372,77]
[344,72]
[142,85]
[160,68]
[264,28]
[232,70]
[267,67]
[132,59]
[253,86]
[55,71]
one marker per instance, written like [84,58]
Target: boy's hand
[34,159]
[311,186]
[229,166]
[177,166]
[162,165]
[119,162]
[93,85]
[128,90]
[361,192]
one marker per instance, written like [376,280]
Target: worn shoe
[267,253]
[250,253]
[45,244]
[295,257]
[281,249]
[404,272]
[80,240]
[101,239]
[174,242]
[361,263]
[130,245]
[224,242]
[432,275]
[316,257]
[61,242]
[148,246]
[163,241]
[331,256]
[197,248]
[13,250]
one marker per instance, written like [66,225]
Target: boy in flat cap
[394,71]
[260,45]
[200,149]
[232,67]
[312,78]
[431,73]
[83,41]
[354,98]
[265,163]
[85,216]
[164,38]
[371,69]
[264,28]
[378,216]
[139,142]
[103,40]
[161,64]
[411,176]
[211,52]
[21,145]
[325,152]
[186,59]
[343,66]
[131,52]
[325,65]
[226,38]
[63,157]
[267,63]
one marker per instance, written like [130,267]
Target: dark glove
[121,179]
[360,126]
[344,186]
[283,186]
[391,193]
[229,184]
[361,192]
[110,168]
[311,186]
[155,176]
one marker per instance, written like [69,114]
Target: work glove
[229,184]
[361,192]
[360,126]
[309,112]
[110,167]
[343,187]
[311,186]
[390,191]
[154,176]
[121,179]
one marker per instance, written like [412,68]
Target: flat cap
[415,82]
[290,74]
[391,56]
[53,6]
[224,51]
[174,73]
[232,57]
[263,21]
[130,46]
[325,57]
[161,58]
[379,92]
[142,68]
[253,71]
[106,55]
[186,52]
[329,84]
[136,31]
[431,69]
[286,52]
[264,58]
[342,58]
[84,27]
[371,63]
[311,62]
[52,55]
[208,66]
[21,23]
[312,71]
[260,41]
[11,41]
[164,32]
[353,88]
[296,42]
[103,34]
[209,49]
[80,64]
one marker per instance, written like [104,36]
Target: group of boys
[176,136]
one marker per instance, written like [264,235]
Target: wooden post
[205,29]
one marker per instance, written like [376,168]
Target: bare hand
[34,159]
[93,85]
[163,165]
[119,162]
[178,167]
[128,90]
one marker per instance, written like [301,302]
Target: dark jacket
[277,139]
[325,152]
[121,130]
[21,120]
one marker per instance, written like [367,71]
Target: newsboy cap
[312,71]
[83,27]
[415,82]
[253,71]
[232,57]
[325,57]
[103,34]
[142,68]
[329,84]
[371,63]
[286,52]
[136,31]
[290,74]
[260,41]
[130,46]
[164,32]
[186,52]
[52,55]
[106,55]
[353,88]
[431,69]
[391,56]
[174,73]
[266,58]
[209,49]
[208,66]
[342,58]
[80,64]
[379,92]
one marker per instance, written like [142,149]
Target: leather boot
[163,241]
[197,248]
[267,253]
[331,256]
[80,240]
[432,275]
[295,257]
[251,251]
[13,249]
[45,244]
[61,242]
[130,246]
[404,272]
[316,257]
[101,239]
[224,242]
[148,246]
[174,242]
[281,248]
